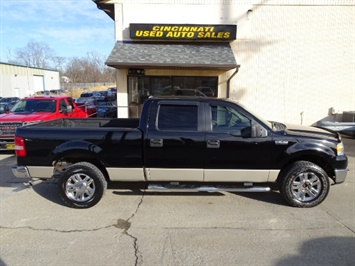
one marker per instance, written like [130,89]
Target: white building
[296,57]
[21,81]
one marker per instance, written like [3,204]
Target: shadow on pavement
[324,251]
[49,190]
[268,197]
[7,178]
[273,197]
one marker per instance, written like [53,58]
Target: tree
[59,63]
[88,69]
[35,54]
[109,74]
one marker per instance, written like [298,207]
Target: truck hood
[309,131]
[24,117]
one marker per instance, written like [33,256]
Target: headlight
[340,149]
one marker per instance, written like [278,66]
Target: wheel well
[321,162]
[63,163]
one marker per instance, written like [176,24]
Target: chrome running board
[170,187]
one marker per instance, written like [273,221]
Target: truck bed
[91,123]
[94,137]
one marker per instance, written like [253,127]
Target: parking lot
[180,228]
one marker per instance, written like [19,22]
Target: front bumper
[340,175]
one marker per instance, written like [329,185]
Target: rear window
[178,117]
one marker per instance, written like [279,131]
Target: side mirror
[244,132]
[257,131]
[69,109]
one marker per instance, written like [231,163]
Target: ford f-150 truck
[34,110]
[201,144]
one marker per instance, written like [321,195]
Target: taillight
[20,148]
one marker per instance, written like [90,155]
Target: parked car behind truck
[87,105]
[11,100]
[201,144]
[105,108]
[5,107]
[35,109]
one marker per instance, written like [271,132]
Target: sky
[71,28]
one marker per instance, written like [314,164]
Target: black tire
[304,184]
[82,185]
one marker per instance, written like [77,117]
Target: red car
[87,105]
[34,110]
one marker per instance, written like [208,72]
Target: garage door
[38,82]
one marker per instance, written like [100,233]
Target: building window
[185,86]
[141,87]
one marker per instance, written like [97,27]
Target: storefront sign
[183,32]
[136,71]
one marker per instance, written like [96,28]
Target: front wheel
[304,184]
[82,185]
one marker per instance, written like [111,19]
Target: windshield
[30,106]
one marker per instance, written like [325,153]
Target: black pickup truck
[200,144]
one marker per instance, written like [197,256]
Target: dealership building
[21,81]
[289,60]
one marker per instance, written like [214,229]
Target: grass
[75,93]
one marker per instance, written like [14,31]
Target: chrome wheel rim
[306,186]
[80,187]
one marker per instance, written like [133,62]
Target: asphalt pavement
[180,228]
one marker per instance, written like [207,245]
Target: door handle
[213,144]
[156,143]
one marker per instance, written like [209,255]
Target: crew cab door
[238,148]
[175,142]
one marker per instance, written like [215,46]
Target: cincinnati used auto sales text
[182,32]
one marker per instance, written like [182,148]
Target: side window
[225,118]
[178,117]
[63,106]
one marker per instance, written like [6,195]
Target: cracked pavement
[179,228]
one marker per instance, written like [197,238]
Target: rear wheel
[304,184]
[82,185]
